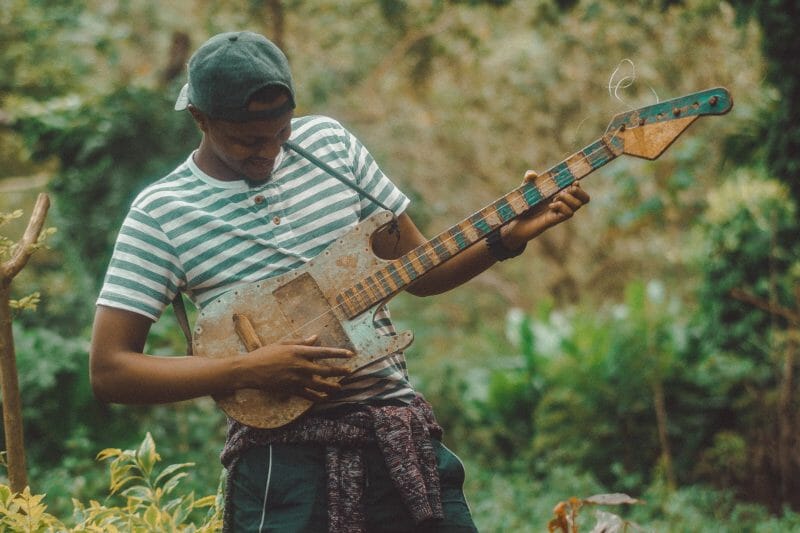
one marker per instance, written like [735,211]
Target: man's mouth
[261,165]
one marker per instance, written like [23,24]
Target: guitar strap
[332,171]
[179,307]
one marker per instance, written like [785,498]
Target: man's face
[248,149]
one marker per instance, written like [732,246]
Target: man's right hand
[121,373]
[293,367]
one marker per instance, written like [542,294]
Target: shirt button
[259,199]
[276,220]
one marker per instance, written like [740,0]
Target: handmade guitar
[336,294]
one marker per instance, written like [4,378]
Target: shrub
[148,500]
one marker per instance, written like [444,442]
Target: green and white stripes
[206,236]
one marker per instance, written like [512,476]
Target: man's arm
[121,373]
[477,258]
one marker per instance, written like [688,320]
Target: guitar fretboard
[399,273]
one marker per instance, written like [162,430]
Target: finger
[530,175]
[325,386]
[307,341]
[329,370]
[318,389]
[561,209]
[571,201]
[579,192]
[312,395]
[574,197]
[324,352]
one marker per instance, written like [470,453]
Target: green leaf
[146,455]
[108,453]
[141,493]
[183,509]
[152,517]
[169,470]
[173,482]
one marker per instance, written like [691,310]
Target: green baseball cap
[228,69]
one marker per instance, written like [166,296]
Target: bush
[148,500]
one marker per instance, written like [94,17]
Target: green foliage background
[649,346]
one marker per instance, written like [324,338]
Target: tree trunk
[12,404]
[12,408]
[661,422]
[786,429]
[276,15]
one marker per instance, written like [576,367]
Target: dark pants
[282,488]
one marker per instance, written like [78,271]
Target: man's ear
[199,117]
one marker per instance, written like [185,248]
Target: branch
[767,306]
[25,246]
[402,47]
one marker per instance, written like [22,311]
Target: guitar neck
[399,273]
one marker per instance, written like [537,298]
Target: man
[243,208]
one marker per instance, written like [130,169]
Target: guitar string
[546,194]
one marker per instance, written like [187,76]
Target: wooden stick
[12,405]
[246,332]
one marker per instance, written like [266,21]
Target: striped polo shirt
[191,232]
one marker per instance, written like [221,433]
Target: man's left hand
[561,207]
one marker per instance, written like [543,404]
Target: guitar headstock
[648,131]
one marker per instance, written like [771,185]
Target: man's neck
[214,167]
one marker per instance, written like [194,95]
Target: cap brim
[183,99]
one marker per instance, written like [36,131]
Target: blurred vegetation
[650,346]
[146,498]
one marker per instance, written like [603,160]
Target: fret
[349,294]
[358,290]
[598,154]
[504,209]
[460,238]
[397,268]
[439,249]
[358,299]
[468,232]
[348,305]
[545,182]
[561,175]
[408,267]
[492,217]
[531,193]
[578,165]
[517,202]
[419,265]
[450,242]
[342,302]
[364,287]
[396,279]
[423,255]
[371,288]
[478,220]
[386,287]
